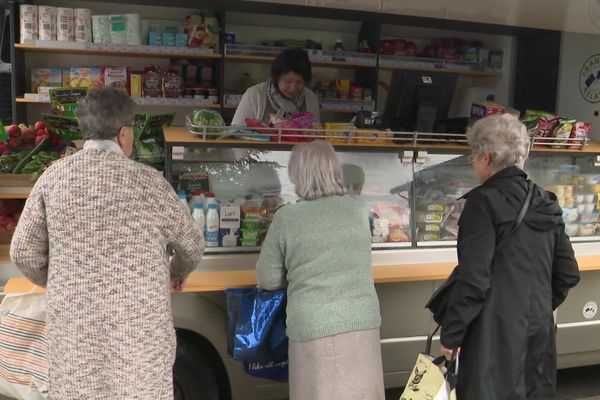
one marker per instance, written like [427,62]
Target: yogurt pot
[571,229]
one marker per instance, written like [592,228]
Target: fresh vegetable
[13,131]
[207,118]
[9,162]
[39,163]
[39,147]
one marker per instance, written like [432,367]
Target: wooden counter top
[216,281]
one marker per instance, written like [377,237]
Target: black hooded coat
[500,308]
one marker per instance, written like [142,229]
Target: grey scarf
[285,107]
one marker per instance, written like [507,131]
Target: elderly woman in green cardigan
[320,250]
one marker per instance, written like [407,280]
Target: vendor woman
[284,94]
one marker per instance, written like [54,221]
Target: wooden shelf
[142,52]
[14,193]
[179,136]
[161,103]
[268,60]
[217,281]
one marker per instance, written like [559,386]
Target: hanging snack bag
[563,130]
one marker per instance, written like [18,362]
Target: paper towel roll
[134,29]
[83,25]
[65,19]
[118,30]
[101,28]
[28,22]
[47,22]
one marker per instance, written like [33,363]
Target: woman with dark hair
[284,94]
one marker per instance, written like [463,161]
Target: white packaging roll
[118,29]
[28,22]
[65,19]
[101,28]
[83,25]
[134,29]
[47,22]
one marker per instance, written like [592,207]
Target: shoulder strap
[520,216]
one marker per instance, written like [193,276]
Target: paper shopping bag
[427,380]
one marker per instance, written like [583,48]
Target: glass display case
[414,197]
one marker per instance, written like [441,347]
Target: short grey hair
[103,111]
[503,137]
[315,170]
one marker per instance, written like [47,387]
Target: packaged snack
[481,109]
[65,19]
[251,211]
[581,130]
[86,77]
[436,207]
[546,126]
[563,130]
[338,132]
[152,82]
[47,22]
[432,227]
[83,24]
[367,136]
[172,85]
[28,22]
[45,77]
[116,77]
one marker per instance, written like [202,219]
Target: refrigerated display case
[413,184]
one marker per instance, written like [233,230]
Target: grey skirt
[339,367]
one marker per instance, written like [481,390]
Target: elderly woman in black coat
[499,314]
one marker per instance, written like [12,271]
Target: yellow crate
[371,136]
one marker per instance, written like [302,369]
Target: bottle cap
[210,195]
[198,192]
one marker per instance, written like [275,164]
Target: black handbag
[438,302]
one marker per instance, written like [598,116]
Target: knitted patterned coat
[96,231]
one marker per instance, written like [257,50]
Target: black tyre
[194,376]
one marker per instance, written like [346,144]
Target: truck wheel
[193,376]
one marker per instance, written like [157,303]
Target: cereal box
[86,77]
[41,77]
[116,77]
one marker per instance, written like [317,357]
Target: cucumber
[41,146]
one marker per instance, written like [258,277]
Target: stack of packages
[547,125]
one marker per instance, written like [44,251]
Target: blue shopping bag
[256,325]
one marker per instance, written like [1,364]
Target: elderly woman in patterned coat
[98,232]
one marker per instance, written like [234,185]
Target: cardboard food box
[86,77]
[371,136]
[117,77]
[45,77]
[230,220]
[135,79]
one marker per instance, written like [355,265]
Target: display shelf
[318,58]
[147,101]
[117,50]
[437,65]
[442,143]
